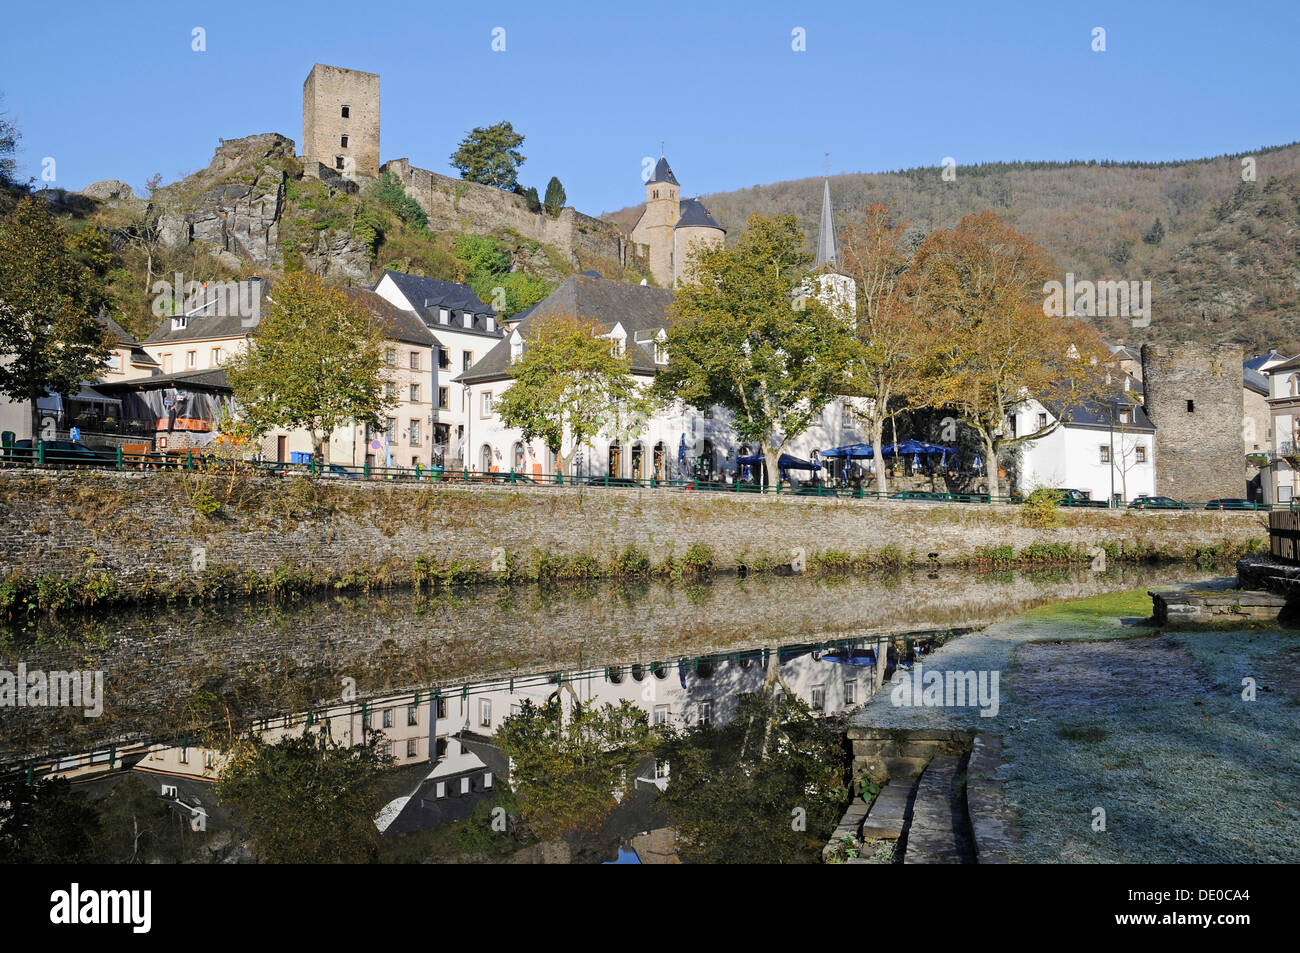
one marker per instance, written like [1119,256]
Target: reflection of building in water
[450,728]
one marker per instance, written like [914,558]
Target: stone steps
[887,818]
[939,830]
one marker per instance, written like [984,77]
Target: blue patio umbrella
[681,452]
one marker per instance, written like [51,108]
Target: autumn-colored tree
[746,336]
[315,363]
[885,362]
[569,385]
[990,347]
[49,338]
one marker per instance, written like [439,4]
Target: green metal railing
[199,460]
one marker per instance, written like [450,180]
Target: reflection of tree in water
[571,761]
[767,787]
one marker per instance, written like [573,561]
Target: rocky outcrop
[238,205]
[108,189]
[339,254]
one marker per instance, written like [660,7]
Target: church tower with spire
[835,289]
[671,226]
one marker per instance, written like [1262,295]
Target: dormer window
[179,322]
[444,316]
[468,319]
[346,111]
[661,353]
[491,323]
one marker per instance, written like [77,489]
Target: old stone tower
[670,226]
[1194,398]
[340,120]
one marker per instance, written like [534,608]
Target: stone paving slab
[992,822]
[939,832]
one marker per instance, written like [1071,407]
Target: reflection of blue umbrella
[681,452]
[979,463]
[916,461]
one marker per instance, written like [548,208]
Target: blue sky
[115,90]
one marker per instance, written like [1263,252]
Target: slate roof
[694,214]
[211,379]
[1257,362]
[641,309]
[828,250]
[428,296]
[1095,415]
[1252,379]
[663,173]
[139,355]
[203,323]
[398,324]
[433,291]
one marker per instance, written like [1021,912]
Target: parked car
[1157,503]
[1232,503]
[1071,497]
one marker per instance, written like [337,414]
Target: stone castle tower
[670,226]
[340,120]
[1193,395]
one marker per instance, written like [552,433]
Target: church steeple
[828,249]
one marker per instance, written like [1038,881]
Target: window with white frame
[415,360]
[819,698]
[487,404]
[706,713]
[191,358]
[415,432]
[1105,453]
[415,393]
[485,712]
[1140,454]
[851,692]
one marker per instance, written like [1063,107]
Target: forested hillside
[1222,253]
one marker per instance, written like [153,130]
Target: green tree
[389,191]
[306,799]
[48,299]
[45,823]
[531,200]
[555,197]
[314,364]
[9,137]
[747,336]
[569,385]
[569,761]
[490,155]
[1156,234]
[137,827]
